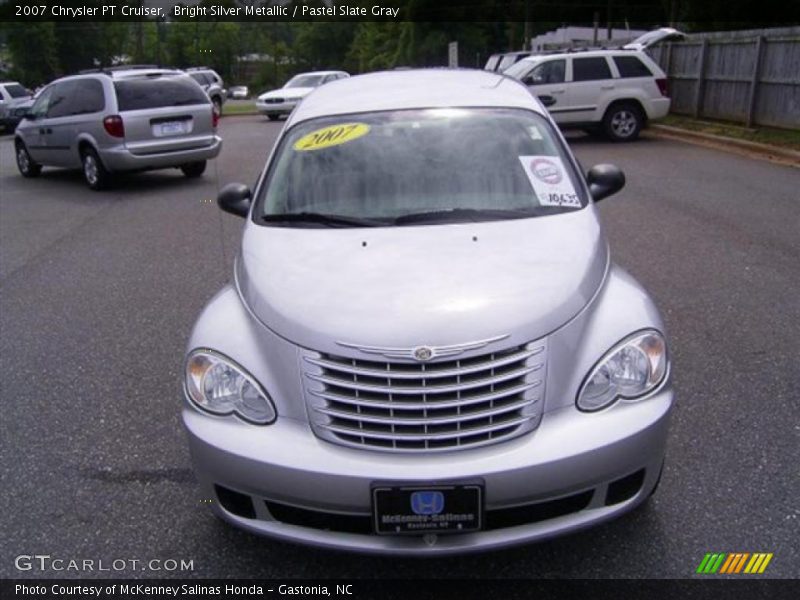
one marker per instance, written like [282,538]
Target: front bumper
[119,158]
[575,461]
[276,108]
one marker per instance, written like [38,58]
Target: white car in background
[614,90]
[282,101]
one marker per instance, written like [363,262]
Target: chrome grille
[407,406]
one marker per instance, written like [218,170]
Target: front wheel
[195,169]
[26,165]
[94,173]
[623,122]
[273,117]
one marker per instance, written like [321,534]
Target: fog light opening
[238,504]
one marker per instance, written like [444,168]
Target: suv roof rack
[110,70]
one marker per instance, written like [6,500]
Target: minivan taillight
[663,87]
[214,117]
[114,126]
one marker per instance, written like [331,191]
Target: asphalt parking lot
[98,292]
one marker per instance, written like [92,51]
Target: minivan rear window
[158,92]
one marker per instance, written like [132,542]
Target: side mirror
[604,180]
[235,198]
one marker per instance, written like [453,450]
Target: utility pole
[608,18]
[526,36]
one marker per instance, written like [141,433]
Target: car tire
[194,169]
[94,173]
[623,122]
[26,165]
[273,117]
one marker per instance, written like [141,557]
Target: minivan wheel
[194,169]
[94,173]
[623,122]
[26,165]
[273,117]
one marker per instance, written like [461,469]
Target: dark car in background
[212,83]
[14,101]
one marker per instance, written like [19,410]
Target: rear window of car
[403,164]
[590,69]
[15,90]
[158,92]
[631,66]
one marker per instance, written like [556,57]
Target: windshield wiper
[322,219]
[465,214]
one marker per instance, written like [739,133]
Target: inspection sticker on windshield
[331,136]
[550,181]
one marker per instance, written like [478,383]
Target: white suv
[617,90]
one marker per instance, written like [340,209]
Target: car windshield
[519,69]
[15,90]
[509,60]
[305,81]
[413,166]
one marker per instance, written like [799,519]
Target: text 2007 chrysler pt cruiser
[426,348]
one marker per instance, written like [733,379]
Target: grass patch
[239,108]
[786,138]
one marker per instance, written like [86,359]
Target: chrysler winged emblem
[424,353]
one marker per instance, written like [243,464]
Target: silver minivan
[119,120]
[426,348]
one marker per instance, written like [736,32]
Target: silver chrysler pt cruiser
[426,348]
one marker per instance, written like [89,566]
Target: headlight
[218,385]
[631,369]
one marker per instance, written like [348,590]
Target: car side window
[631,66]
[60,100]
[552,71]
[87,97]
[590,69]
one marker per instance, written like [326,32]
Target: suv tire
[194,169]
[623,121]
[26,165]
[94,173]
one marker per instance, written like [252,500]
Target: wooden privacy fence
[754,80]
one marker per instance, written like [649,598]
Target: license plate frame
[394,512]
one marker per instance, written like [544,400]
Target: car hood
[422,285]
[300,92]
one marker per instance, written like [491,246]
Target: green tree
[33,52]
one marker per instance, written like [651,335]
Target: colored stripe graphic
[724,563]
[728,563]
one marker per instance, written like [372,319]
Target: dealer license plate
[429,509]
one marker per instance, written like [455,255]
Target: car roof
[579,53]
[321,73]
[416,88]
